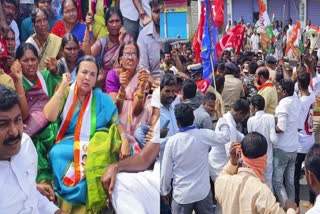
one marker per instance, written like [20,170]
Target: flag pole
[212,43]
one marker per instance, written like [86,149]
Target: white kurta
[139,192]
[18,191]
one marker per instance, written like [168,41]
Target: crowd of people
[79,105]
[262,111]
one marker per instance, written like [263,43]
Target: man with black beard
[266,89]
[149,42]
[19,192]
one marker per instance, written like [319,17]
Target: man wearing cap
[266,89]
[233,88]
[271,62]
[196,71]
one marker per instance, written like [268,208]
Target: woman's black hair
[23,47]
[65,2]
[68,38]
[35,12]
[129,42]
[112,10]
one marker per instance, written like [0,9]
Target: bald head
[262,74]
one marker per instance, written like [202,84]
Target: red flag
[233,39]
[197,38]
[218,12]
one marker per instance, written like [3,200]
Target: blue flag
[208,44]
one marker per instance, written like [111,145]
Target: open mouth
[12,143]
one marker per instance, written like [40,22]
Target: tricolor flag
[266,31]
[292,49]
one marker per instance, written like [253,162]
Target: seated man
[138,191]
[240,187]
[18,162]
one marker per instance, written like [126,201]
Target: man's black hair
[241,105]
[189,89]
[288,86]
[312,161]
[8,98]
[168,80]
[209,96]
[254,145]
[304,80]
[184,114]
[258,101]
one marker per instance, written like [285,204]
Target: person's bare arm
[16,74]
[145,18]
[52,109]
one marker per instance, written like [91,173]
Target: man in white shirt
[306,135]
[185,160]
[10,10]
[254,41]
[219,154]
[18,162]
[264,124]
[312,171]
[285,151]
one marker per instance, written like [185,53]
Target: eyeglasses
[72,11]
[127,54]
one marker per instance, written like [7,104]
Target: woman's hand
[125,149]
[143,77]
[66,78]
[122,34]
[89,19]
[51,64]
[16,71]
[123,78]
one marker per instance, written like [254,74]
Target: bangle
[140,95]
[124,136]
[117,166]
[58,95]
[119,98]
[21,95]
[86,41]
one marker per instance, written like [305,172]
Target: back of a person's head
[263,71]
[209,96]
[258,102]
[252,67]
[304,80]
[254,145]
[8,98]
[312,161]
[219,83]
[241,105]
[184,114]
[189,89]
[288,86]
[168,80]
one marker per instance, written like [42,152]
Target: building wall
[193,12]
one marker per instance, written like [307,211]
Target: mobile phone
[165,124]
